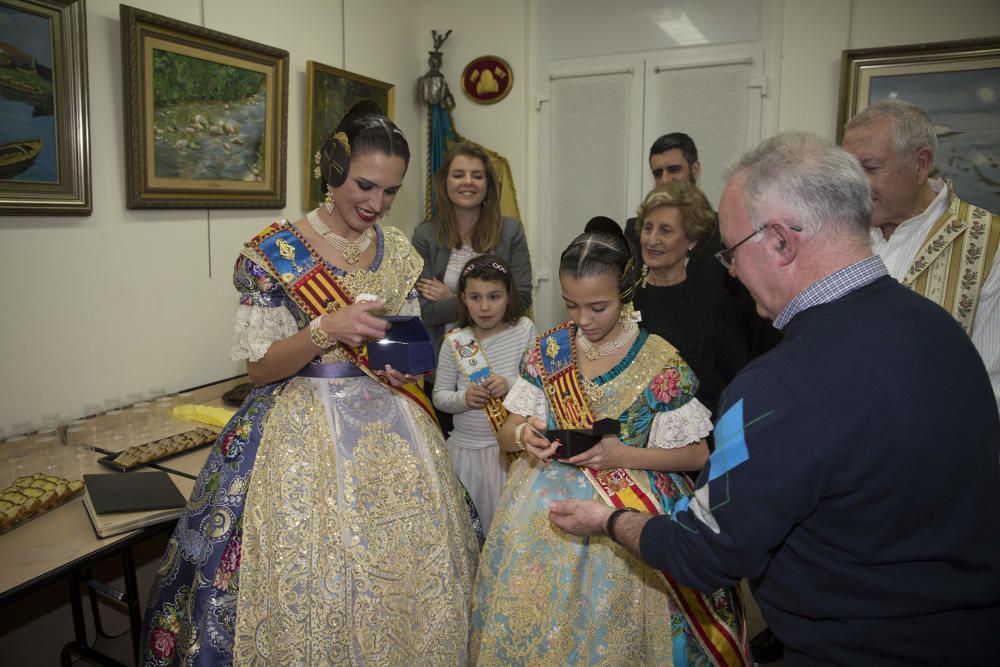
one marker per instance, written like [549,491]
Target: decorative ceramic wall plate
[487,79]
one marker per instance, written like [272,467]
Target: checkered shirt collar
[833,287]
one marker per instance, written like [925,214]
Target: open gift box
[573,441]
[407,347]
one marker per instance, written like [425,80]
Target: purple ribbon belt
[340,369]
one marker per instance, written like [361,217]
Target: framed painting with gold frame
[958,85]
[330,92]
[206,116]
[44,117]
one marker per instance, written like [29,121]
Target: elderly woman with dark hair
[694,314]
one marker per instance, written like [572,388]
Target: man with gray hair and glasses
[930,240]
[856,477]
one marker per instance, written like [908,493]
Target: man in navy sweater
[856,476]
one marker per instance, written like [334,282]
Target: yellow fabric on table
[204,414]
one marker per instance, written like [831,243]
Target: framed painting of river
[958,85]
[44,124]
[206,116]
[330,92]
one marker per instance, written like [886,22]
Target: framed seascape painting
[44,124]
[206,116]
[330,92]
[958,85]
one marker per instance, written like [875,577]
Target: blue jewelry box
[407,347]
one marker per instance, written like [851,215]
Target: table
[61,543]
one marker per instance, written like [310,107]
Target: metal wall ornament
[206,116]
[44,110]
[487,79]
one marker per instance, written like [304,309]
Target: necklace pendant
[351,253]
[593,354]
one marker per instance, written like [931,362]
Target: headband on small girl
[478,265]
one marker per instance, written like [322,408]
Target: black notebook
[120,502]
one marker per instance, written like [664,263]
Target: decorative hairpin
[340,138]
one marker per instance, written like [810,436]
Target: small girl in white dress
[478,365]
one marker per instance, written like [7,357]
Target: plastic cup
[183,400]
[79,440]
[139,423]
[163,416]
[116,428]
[51,448]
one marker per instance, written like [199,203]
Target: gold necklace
[594,352]
[351,250]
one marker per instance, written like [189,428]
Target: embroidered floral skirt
[350,543]
[545,597]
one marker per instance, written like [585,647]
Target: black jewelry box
[407,347]
[572,441]
[575,441]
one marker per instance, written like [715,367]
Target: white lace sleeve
[680,427]
[527,400]
[256,328]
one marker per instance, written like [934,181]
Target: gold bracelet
[319,337]
[518,435]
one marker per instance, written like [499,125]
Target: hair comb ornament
[479,265]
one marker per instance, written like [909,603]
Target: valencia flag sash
[314,288]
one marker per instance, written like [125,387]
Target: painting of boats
[28,147]
[17,156]
[44,108]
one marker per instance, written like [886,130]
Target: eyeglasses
[725,256]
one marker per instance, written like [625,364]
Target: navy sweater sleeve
[740,512]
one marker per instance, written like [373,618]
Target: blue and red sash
[309,282]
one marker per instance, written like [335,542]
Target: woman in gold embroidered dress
[327,526]
[543,596]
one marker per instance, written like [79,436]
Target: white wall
[123,301]
[816,31]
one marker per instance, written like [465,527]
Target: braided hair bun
[602,249]
[363,129]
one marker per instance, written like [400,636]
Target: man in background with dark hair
[674,157]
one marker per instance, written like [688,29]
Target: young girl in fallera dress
[477,366]
[543,596]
